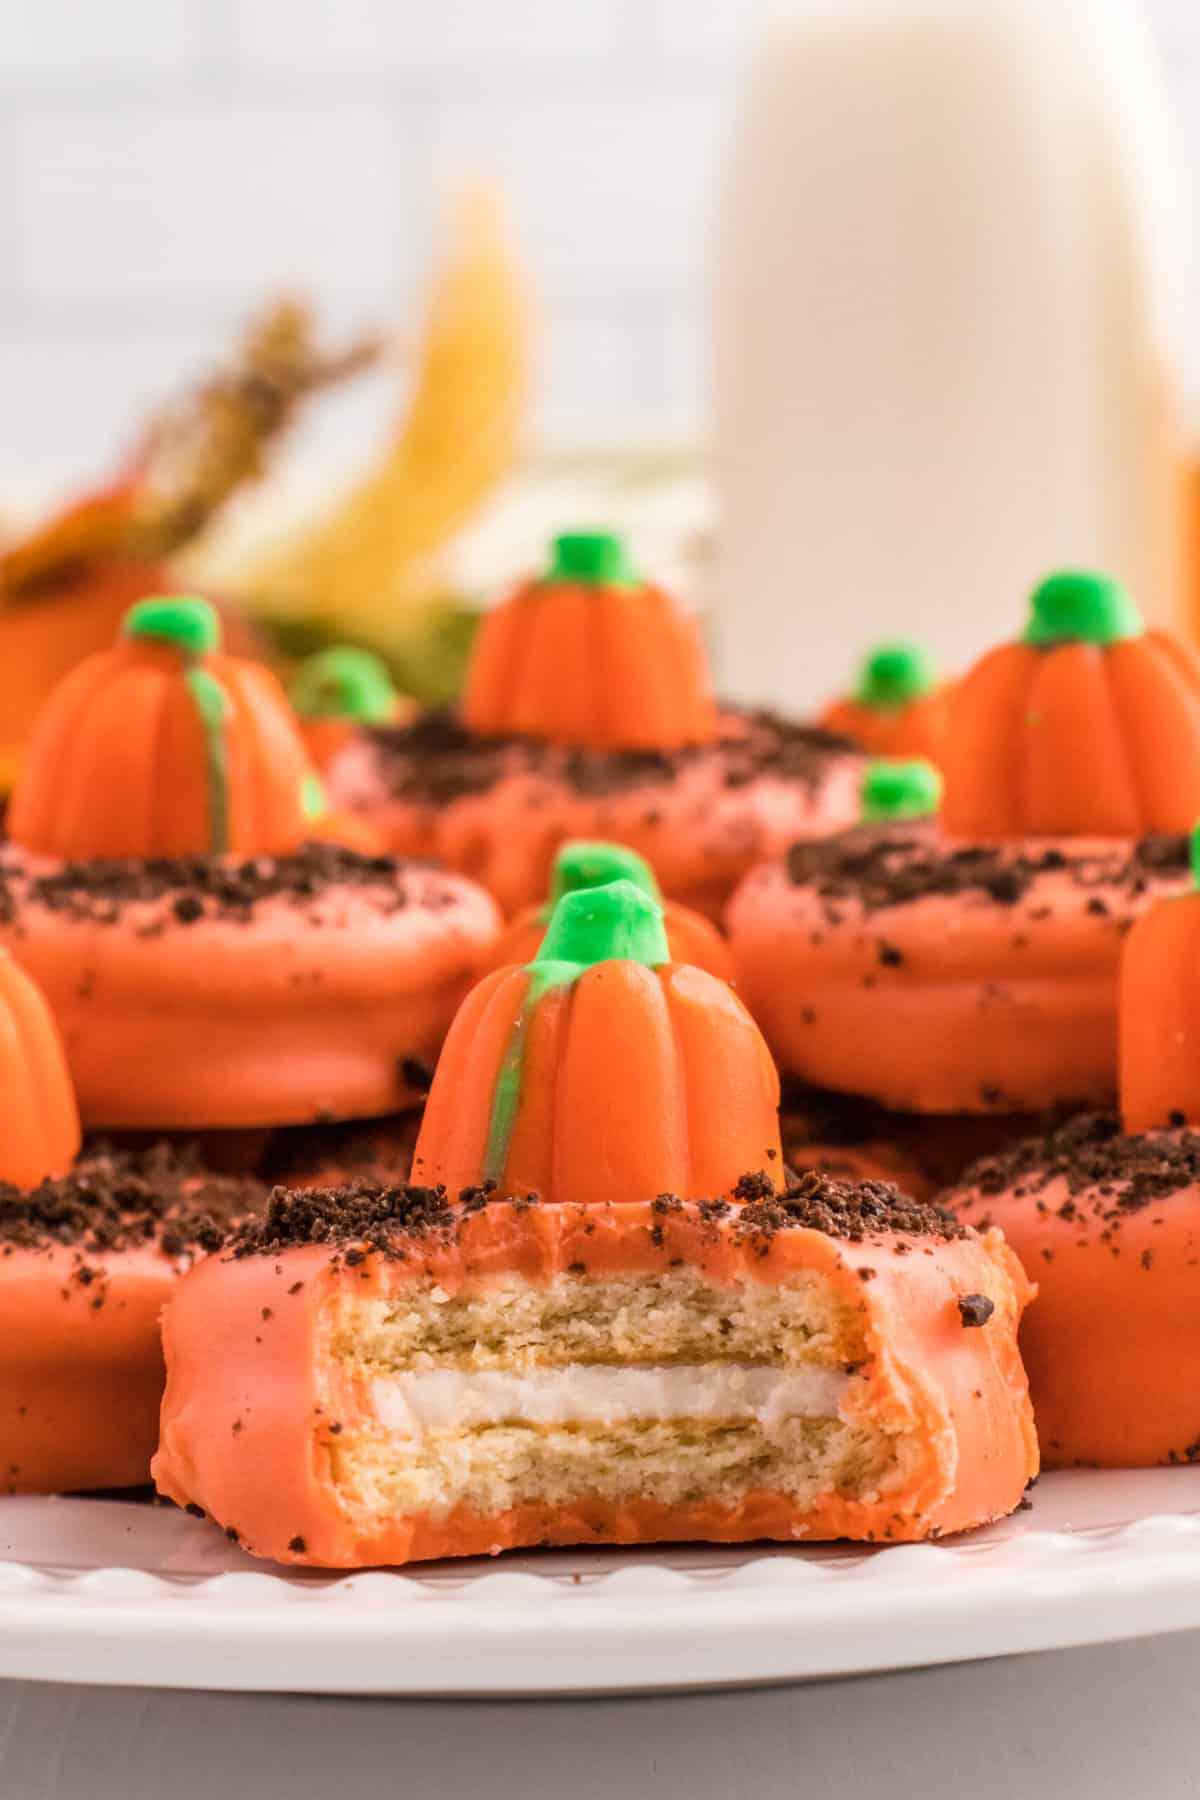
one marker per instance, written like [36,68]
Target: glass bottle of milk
[950,297]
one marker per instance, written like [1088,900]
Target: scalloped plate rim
[643,1622]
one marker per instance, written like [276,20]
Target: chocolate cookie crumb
[1119,1174]
[975,1310]
[116,1199]
[191,889]
[436,760]
[885,868]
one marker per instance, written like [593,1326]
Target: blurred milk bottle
[950,292]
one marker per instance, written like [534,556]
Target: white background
[164,164]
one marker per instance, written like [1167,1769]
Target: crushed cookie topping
[437,759]
[885,867]
[191,889]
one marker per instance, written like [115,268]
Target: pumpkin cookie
[209,965]
[938,977]
[620,1330]
[87,1260]
[588,713]
[1108,1225]
[89,1248]
[898,707]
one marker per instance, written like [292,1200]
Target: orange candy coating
[594,1075]
[1089,726]
[80,1383]
[1160,1014]
[962,1392]
[39,1120]
[590,656]
[163,746]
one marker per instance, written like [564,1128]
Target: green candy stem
[584,864]
[900,790]
[595,558]
[894,674]
[344,682]
[212,704]
[190,624]
[1194,843]
[1077,606]
[313,803]
[589,926]
[599,924]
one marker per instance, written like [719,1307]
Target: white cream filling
[419,1401]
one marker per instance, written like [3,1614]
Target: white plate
[122,1592]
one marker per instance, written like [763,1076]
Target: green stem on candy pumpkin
[618,921]
[584,864]
[894,674]
[193,628]
[344,682]
[592,559]
[1078,606]
[900,790]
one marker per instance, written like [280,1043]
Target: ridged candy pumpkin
[898,707]
[900,790]
[39,1120]
[1159,1012]
[691,938]
[602,1071]
[334,692]
[1088,726]
[163,746]
[591,656]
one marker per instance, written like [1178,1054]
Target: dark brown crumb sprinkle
[756,1186]
[357,1220]
[975,1309]
[114,1199]
[880,869]
[195,888]
[853,1210]
[359,1217]
[435,759]
[1091,1156]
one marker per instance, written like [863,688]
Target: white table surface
[1112,1723]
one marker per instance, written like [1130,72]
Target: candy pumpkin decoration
[163,746]
[691,938]
[39,1121]
[337,690]
[602,1071]
[1159,1012]
[898,707]
[1088,726]
[591,656]
[900,790]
